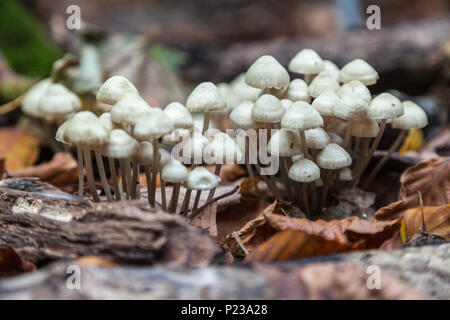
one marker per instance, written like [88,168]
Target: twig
[207,203]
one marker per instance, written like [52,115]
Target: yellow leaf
[18,147]
[414,141]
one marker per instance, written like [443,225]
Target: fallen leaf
[19,148]
[248,184]
[414,141]
[437,221]
[12,264]
[230,172]
[207,219]
[95,261]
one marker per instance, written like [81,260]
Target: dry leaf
[95,261]
[414,141]
[437,221]
[19,148]
[207,219]
[230,172]
[11,263]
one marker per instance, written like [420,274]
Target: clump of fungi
[322,129]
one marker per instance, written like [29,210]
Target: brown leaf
[437,221]
[19,148]
[95,261]
[230,172]
[11,263]
[207,219]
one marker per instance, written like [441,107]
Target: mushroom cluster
[322,128]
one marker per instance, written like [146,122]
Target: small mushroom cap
[144,153]
[413,118]
[335,138]
[301,116]
[176,136]
[304,170]
[174,171]
[319,183]
[331,68]
[153,125]
[345,174]
[284,143]
[58,101]
[286,103]
[358,69]
[325,103]
[202,179]
[306,61]
[317,138]
[179,115]
[350,107]
[267,72]
[59,136]
[192,147]
[267,109]
[130,109]
[121,145]
[222,149]
[385,106]
[364,128]
[229,97]
[104,107]
[242,91]
[105,120]
[241,116]
[164,157]
[332,157]
[33,97]
[85,130]
[207,98]
[337,126]
[323,82]
[355,88]
[114,89]
[297,91]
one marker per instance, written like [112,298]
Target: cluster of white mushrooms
[322,129]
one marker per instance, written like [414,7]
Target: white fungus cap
[324,81]
[120,146]
[333,156]
[306,61]
[58,101]
[364,128]
[104,107]
[192,147]
[201,179]
[413,118]
[325,103]
[33,97]
[114,89]
[385,106]
[59,136]
[297,91]
[317,138]
[337,126]
[301,116]
[286,103]
[144,153]
[350,107]
[105,120]
[164,157]
[284,143]
[241,116]
[222,149]
[153,126]
[174,171]
[267,109]
[179,115]
[345,174]
[355,88]
[335,138]
[176,136]
[130,109]
[227,93]
[267,72]
[304,170]
[207,98]
[331,68]
[242,91]
[85,130]
[358,69]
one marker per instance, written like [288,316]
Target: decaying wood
[43,228]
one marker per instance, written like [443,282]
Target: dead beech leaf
[414,141]
[95,261]
[291,244]
[12,264]
[18,147]
[247,184]
[230,172]
[207,219]
[437,221]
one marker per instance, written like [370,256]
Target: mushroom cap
[284,143]
[153,125]
[174,171]
[325,103]
[241,116]
[33,97]
[324,81]
[129,109]
[385,106]
[86,130]
[355,88]
[364,128]
[114,89]
[179,115]
[192,147]
[346,174]
[144,153]
[358,69]
[105,120]
[59,136]
[176,136]
[164,157]
[335,138]
[413,118]
[337,126]
[304,170]
[301,116]
[331,68]
[104,107]
[207,98]
[201,179]
[267,109]
[222,149]
[121,145]
[297,91]
[227,93]
[307,61]
[333,156]
[58,101]
[286,103]
[242,91]
[267,72]
[317,138]
[350,107]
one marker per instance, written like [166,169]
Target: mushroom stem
[270,181]
[49,134]
[153,187]
[326,183]
[364,146]
[112,168]
[213,190]
[356,147]
[247,162]
[206,117]
[174,198]
[90,174]
[371,152]
[80,173]
[348,136]
[103,179]
[129,178]
[136,192]
[386,157]
[305,198]
[304,146]
[313,197]
[186,201]
[285,177]
[148,178]
[196,201]
[163,193]
[123,173]
[154,170]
